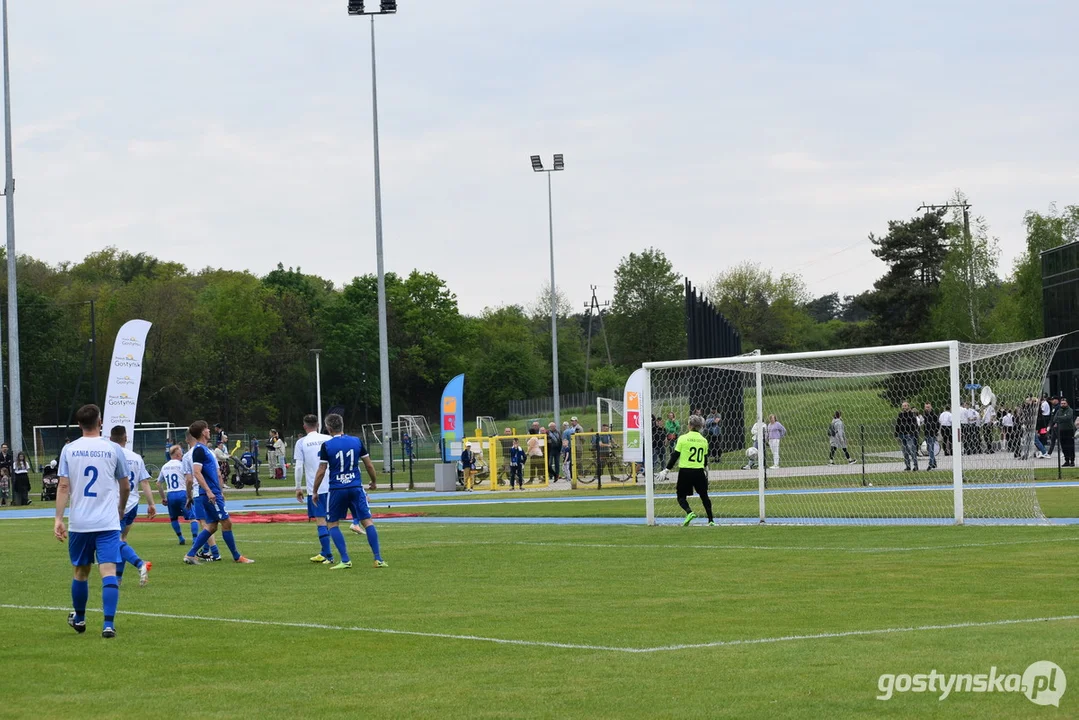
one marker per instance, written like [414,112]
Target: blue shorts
[178,506]
[212,511]
[347,500]
[129,516]
[316,505]
[82,547]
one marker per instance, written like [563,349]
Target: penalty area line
[576,646]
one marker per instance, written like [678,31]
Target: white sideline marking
[574,646]
[649,546]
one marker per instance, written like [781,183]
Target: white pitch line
[575,646]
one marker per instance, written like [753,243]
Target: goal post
[856,435]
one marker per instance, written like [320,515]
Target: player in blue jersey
[306,461]
[210,551]
[94,475]
[139,478]
[340,458]
[172,486]
[204,469]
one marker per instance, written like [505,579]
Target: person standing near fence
[468,465]
[906,431]
[20,473]
[554,451]
[659,439]
[1064,419]
[535,456]
[932,430]
[776,432]
[517,464]
[601,443]
[837,439]
[945,421]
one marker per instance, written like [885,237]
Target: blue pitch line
[386,501]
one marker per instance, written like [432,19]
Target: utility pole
[595,309]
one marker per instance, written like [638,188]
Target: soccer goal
[606,410]
[822,437]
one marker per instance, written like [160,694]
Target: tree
[769,312]
[509,368]
[902,299]
[647,320]
[1018,314]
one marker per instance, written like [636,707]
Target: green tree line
[234,347]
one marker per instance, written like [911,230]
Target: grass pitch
[547,621]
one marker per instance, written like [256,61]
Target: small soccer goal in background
[820,437]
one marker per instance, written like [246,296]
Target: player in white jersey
[173,492]
[305,460]
[94,475]
[139,478]
[193,491]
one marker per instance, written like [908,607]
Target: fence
[541,407]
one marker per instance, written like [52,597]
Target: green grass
[626,587]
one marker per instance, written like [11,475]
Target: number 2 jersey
[342,455]
[94,468]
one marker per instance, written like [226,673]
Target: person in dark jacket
[1064,419]
[517,464]
[906,430]
[931,428]
[659,443]
[468,465]
[554,451]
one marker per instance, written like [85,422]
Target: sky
[237,133]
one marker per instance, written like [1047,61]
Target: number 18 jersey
[94,467]
[342,454]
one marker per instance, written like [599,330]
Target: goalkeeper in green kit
[691,454]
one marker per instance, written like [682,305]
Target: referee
[691,453]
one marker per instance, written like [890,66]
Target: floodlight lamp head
[355,7]
[388,7]
[537,164]
[559,163]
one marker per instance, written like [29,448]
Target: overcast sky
[237,133]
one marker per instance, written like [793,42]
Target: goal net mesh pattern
[839,444]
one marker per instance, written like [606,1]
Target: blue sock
[130,557]
[231,542]
[372,540]
[198,542]
[176,529]
[324,541]
[110,598]
[80,591]
[339,541]
[194,528]
[214,552]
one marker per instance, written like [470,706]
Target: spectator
[1065,424]
[755,432]
[5,486]
[1054,403]
[931,428]
[468,465]
[601,443]
[945,422]
[554,451]
[406,444]
[277,459]
[837,439]
[989,421]
[534,428]
[20,480]
[1008,434]
[567,448]
[659,442]
[220,437]
[535,456]
[971,432]
[712,431]
[1044,415]
[906,430]
[6,459]
[517,464]
[776,432]
[673,429]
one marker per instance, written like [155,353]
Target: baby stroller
[49,482]
[242,475]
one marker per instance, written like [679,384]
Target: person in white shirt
[139,479]
[1008,435]
[305,460]
[989,420]
[94,476]
[946,430]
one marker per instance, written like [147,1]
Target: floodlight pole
[537,166]
[14,374]
[318,389]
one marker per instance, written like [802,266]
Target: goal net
[827,437]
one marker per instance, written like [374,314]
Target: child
[5,485]
[517,464]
